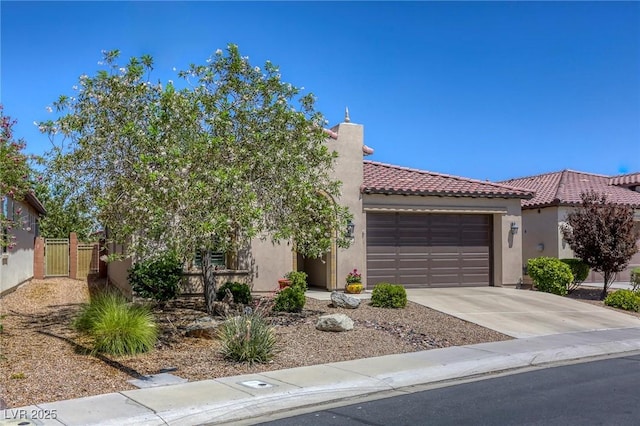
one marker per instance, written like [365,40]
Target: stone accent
[342,300]
[204,328]
[334,322]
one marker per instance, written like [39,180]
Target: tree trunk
[208,279]
[607,283]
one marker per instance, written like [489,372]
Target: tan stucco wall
[507,248]
[564,251]
[540,226]
[117,271]
[543,226]
[350,170]
[16,266]
[270,262]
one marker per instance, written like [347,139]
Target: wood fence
[56,256]
[65,257]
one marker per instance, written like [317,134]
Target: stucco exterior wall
[267,263]
[117,271]
[507,247]
[270,262]
[564,251]
[544,227]
[540,233]
[350,171]
[16,265]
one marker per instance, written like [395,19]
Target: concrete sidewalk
[232,399]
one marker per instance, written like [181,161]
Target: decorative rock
[203,328]
[334,322]
[341,300]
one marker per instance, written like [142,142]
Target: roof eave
[444,194]
[568,204]
[33,200]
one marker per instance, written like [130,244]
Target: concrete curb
[228,399]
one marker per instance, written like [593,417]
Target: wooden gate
[88,260]
[56,256]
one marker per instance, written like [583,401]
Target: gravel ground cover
[42,359]
[592,295]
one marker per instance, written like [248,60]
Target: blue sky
[484,90]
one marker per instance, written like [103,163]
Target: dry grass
[43,359]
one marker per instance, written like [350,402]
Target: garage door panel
[428,250]
[445,280]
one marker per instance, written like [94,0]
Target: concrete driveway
[520,313]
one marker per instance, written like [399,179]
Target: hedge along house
[16,264]
[411,227]
[557,194]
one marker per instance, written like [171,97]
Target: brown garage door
[428,250]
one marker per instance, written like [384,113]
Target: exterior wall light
[514,228]
[540,247]
[351,227]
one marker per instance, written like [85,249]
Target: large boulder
[342,300]
[334,322]
[204,328]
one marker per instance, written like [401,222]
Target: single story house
[16,264]
[412,227]
[558,193]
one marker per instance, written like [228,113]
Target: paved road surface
[602,392]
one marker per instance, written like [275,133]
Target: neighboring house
[411,227]
[558,193]
[16,264]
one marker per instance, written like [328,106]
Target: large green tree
[15,184]
[603,235]
[65,212]
[236,154]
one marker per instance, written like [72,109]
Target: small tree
[602,235]
[14,179]
[236,154]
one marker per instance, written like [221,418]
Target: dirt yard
[42,359]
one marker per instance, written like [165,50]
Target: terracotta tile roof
[380,178]
[564,188]
[631,179]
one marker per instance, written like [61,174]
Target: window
[218,260]
[4,236]
[7,208]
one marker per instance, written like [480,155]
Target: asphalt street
[601,392]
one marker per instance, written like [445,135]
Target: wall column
[73,255]
[38,259]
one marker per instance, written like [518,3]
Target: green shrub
[550,275]
[298,279]
[635,279]
[387,295]
[580,271]
[247,338]
[624,299]
[91,312]
[291,299]
[241,292]
[157,278]
[116,327]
